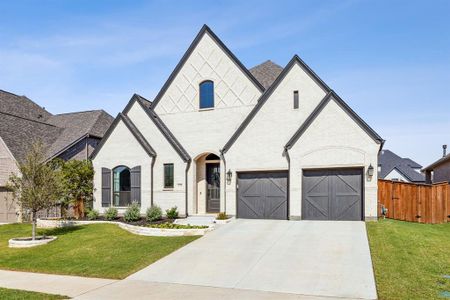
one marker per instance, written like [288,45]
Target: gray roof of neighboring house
[22,106]
[266,73]
[389,161]
[23,122]
[77,125]
[437,163]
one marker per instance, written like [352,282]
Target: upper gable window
[296,104]
[207,94]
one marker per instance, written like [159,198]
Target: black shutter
[106,187]
[136,184]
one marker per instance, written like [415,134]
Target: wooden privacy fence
[423,203]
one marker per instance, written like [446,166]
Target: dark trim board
[281,171]
[134,131]
[159,124]
[204,30]
[323,103]
[363,178]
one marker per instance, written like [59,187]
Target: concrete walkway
[71,286]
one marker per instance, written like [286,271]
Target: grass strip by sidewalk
[99,250]
[10,294]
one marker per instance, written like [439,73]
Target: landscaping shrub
[133,212]
[111,214]
[154,213]
[92,214]
[172,213]
[222,216]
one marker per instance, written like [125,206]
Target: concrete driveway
[308,258]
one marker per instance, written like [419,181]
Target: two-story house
[269,142]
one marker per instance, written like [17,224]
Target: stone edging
[139,230]
[18,243]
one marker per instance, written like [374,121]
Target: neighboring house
[67,136]
[268,143]
[393,167]
[439,171]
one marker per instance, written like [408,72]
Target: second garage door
[262,195]
[332,194]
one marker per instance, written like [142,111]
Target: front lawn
[410,259]
[9,294]
[100,250]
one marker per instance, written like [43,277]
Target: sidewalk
[71,286]
[83,288]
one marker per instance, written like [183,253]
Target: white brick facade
[333,139]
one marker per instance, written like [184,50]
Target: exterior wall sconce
[370,171]
[229,175]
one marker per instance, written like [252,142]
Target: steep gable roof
[266,73]
[204,30]
[134,131]
[328,97]
[158,123]
[295,60]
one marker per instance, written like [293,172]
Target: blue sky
[389,60]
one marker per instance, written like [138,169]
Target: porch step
[196,220]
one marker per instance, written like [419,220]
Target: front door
[212,187]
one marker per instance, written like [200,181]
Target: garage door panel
[262,195]
[332,194]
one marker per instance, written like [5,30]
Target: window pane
[121,186]
[168,175]
[295,99]
[206,94]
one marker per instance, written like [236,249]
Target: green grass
[9,294]
[410,259]
[100,250]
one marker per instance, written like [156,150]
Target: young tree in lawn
[37,186]
[77,180]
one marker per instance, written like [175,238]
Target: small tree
[77,180]
[38,185]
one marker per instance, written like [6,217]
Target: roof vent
[444,150]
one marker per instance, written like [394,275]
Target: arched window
[207,94]
[121,186]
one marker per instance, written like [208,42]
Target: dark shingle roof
[22,106]
[19,133]
[77,125]
[266,73]
[23,122]
[389,161]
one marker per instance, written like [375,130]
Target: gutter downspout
[151,178]
[222,156]
[188,165]
[288,158]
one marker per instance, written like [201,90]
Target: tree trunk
[33,221]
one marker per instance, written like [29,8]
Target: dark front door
[213,187]
[332,194]
[262,195]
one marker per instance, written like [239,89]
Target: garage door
[332,194]
[7,209]
[262,195]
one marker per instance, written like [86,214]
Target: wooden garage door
[332,194]
[262,195]
[7,208]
